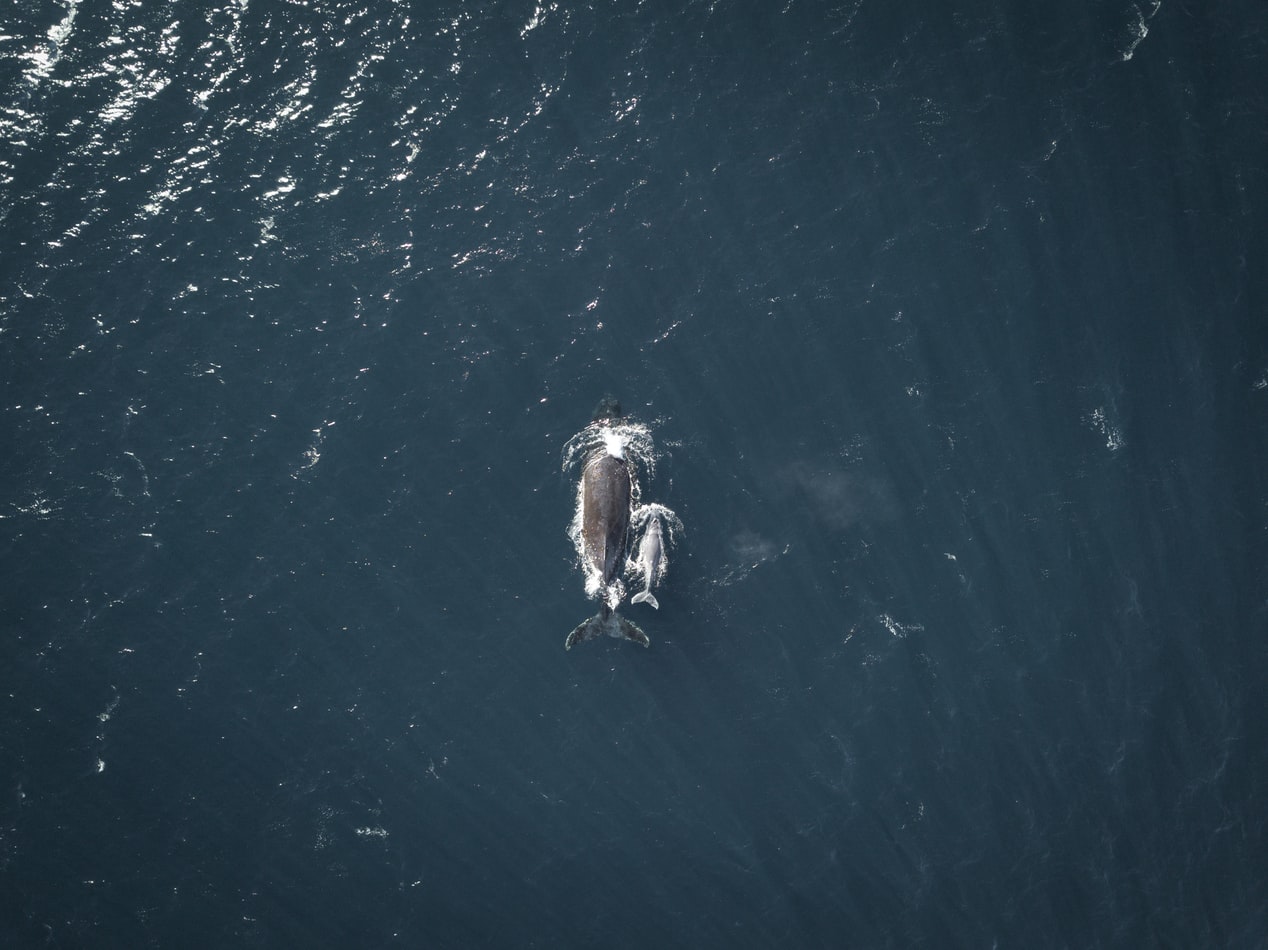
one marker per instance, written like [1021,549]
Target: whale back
[651,549]
[605,513]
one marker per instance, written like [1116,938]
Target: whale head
[608,410]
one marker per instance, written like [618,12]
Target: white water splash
[631,441]
[1098,420]
[1140,29]
[44,58]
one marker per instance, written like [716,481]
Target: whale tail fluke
[612,625]
[583,632]
[646,597]
[630,631]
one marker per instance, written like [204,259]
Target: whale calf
[650,557]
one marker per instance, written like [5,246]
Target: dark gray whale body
[605,513]
[607,493]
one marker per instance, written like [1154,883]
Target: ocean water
[950,329]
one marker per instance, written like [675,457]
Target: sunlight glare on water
[964,410]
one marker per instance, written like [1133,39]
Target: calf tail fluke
[646,597]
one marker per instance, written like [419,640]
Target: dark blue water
[951,329]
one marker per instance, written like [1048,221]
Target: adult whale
[606,496]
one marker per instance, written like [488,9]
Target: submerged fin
[646,597]
[612,625]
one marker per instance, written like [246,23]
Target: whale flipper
[646,597]
[612,625]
